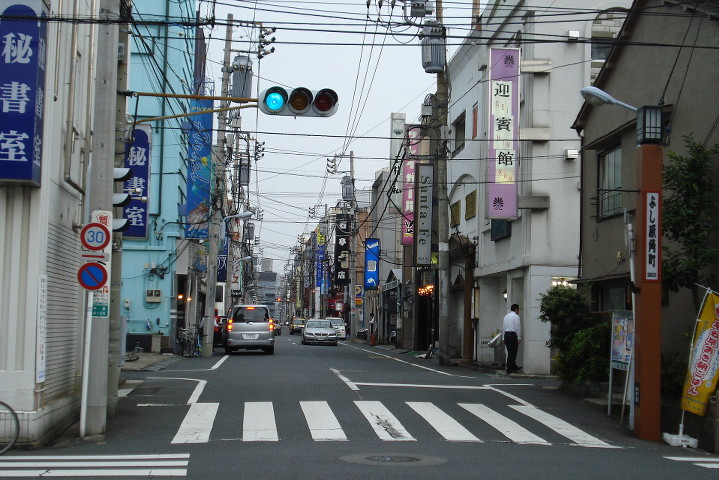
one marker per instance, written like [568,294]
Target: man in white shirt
[512,337]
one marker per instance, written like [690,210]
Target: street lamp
[648,297]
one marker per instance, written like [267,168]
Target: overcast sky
[375,67]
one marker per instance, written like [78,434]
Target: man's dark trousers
[512,343]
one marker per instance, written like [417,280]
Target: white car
[338,324]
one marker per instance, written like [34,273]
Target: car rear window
[337,321]
[250,314]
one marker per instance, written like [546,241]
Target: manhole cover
[393,460]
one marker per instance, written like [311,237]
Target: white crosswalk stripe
[95,466]
[259,423]
[385,425]
[322,422]
[447,426]
[704,462]
[563,428]
[509,428]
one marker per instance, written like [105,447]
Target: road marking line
[151,472]
[197,424]
[419,385]
[445,425]
[88,464]
[347,381]
[259,424]
[504,425]
[148,456]
[323,423]
[385,425]
[401,361]
[563,428]
[198,388]
[220,362]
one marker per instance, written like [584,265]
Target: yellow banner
[704,364]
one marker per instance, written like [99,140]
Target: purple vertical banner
[137,159]
[22,91]
[199,170]
[504,132]
[414,134]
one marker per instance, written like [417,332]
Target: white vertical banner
[41,336]
[652,237]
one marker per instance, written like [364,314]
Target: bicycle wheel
[9,427]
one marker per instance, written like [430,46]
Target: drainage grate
[393,460]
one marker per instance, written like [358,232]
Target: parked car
[319,331]
[297,325]
[362,333]
[339,325]
[249,327]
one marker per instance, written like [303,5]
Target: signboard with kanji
[22,91]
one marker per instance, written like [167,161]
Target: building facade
[495,260]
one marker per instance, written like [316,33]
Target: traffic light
[121,174]
[298,102]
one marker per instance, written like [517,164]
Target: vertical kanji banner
[22,91]
[343,230]
[137,159]
[414,139]
[504,132]
[703,370]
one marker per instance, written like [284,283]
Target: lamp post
[647,287]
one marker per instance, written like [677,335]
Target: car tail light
[272,325]
[229,325]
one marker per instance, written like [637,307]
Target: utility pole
[217,201]
[440,147]
[116,318]
[94,411]
[353,249]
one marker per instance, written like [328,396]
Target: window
[470,202]
[500,229]
[475,120]
[458,129]
[605,29]
[454,214]
[610,182]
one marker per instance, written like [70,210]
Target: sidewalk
[151,362]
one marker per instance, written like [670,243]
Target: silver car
[319,331]
[250,327]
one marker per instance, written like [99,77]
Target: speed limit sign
[95,236]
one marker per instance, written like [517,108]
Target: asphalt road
[353,411]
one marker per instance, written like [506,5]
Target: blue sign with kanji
[22,91]
[137,159]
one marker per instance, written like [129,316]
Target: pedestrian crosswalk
[704,462]
[259,423]
[95,466]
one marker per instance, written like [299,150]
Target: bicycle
[189,343]
[9,427]
[135,354]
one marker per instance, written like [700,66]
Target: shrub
[581,341]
